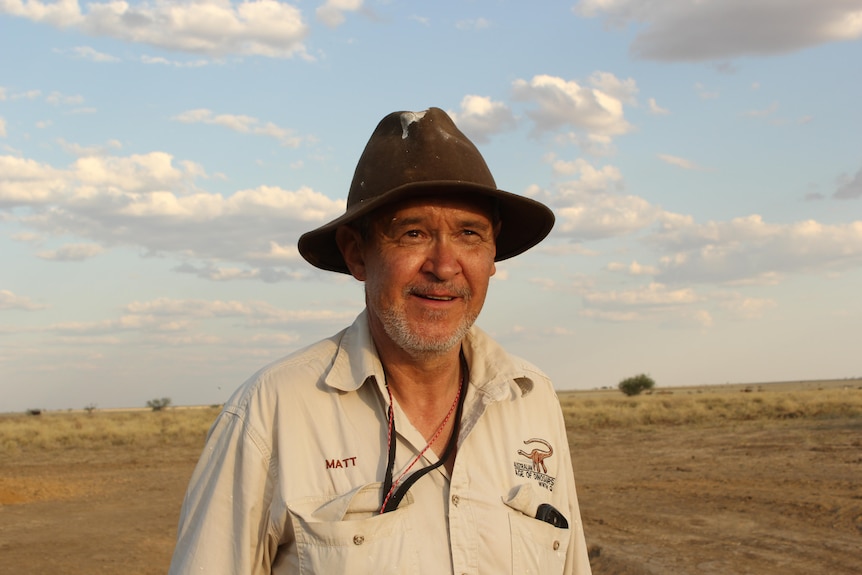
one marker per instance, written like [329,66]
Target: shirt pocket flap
[362,502]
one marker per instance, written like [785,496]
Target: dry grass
[707,407]
[51,431]
[20,433]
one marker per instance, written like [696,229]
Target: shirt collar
[494,373]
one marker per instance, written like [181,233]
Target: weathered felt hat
[411,154]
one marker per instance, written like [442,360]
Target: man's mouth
[437,297]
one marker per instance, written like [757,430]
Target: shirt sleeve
[224,526]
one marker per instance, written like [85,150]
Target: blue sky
[159,160]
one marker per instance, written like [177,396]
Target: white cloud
[473,24]
[721,29]
[145,59]
[589,178]
[90,53]
[27,237]
[623,90]
[259,312]
[652,302]
[589,207]
[657,110]
[748,249]
[185,322]
[2,127]
[654,294]
[242,124]
[71,253]
[705,94]
[278,253]
[332,12]
[564,250]
[768,111]
[679,162]
[597,216]
[633,269]
[615,316]
[9,300]
[210,27]
[28,95]
[79,150]
[480,117]
[57,99]
[152,202]
[138,173]
[27,182]
[747,307]
[596,111]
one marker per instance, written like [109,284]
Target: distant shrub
[636,384]
[33,411]
[159,404]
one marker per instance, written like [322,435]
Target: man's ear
[350,244]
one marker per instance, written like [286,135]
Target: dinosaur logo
[538,456]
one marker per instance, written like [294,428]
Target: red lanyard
[394,491]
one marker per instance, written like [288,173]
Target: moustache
[438,289]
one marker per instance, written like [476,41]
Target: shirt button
[456,500]
[358,539]
[556,545]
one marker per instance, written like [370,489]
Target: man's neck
[424,386]
[423,380]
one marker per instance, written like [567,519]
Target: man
[410,442]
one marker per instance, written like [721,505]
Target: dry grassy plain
[756,479]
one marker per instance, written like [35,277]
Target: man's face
[426,264]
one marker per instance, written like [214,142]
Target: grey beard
[416,343]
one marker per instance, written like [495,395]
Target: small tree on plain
[159,404]
[636,384]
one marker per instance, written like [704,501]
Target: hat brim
[524,222]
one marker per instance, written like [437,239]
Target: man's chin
[419,342]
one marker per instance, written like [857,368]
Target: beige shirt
[290,479]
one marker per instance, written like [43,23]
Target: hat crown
[410,148]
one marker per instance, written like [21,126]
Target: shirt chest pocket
[346,535]
[538,547]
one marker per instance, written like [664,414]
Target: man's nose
[442,260]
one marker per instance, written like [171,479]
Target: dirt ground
[761,498]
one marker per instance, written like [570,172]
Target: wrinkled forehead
[476,205]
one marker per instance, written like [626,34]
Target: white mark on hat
[408,118]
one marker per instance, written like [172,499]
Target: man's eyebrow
[464,222]
[475,222]
[405,221]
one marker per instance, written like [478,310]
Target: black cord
[401,491]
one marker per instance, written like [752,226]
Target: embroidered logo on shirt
[536,469]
